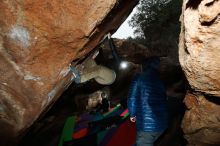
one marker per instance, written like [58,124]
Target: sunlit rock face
[199,58]
[38,41]
[200,55]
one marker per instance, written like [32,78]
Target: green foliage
[156,23]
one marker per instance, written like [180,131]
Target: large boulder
[199,54]
[38,41]
[199,57]
[201,122]
[133,52]
[170,69]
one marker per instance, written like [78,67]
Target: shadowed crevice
[210,22]
[193,4]
[213,99]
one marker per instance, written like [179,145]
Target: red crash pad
[124,136]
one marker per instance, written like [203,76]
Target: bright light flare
[124,65]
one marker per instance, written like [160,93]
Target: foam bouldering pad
[124,136]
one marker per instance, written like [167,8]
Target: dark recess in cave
[46,131]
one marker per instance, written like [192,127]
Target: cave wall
[38,41]
[199,52]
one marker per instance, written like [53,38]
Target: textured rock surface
[133,52]
[199,58]
[201,122]
[38,41]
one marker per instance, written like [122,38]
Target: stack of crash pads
[110,129]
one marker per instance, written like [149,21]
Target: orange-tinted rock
[201,122]
[199,56]
[38,41]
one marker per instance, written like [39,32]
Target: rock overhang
[38,41]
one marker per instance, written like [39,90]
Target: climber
[104,105]
[147,103]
